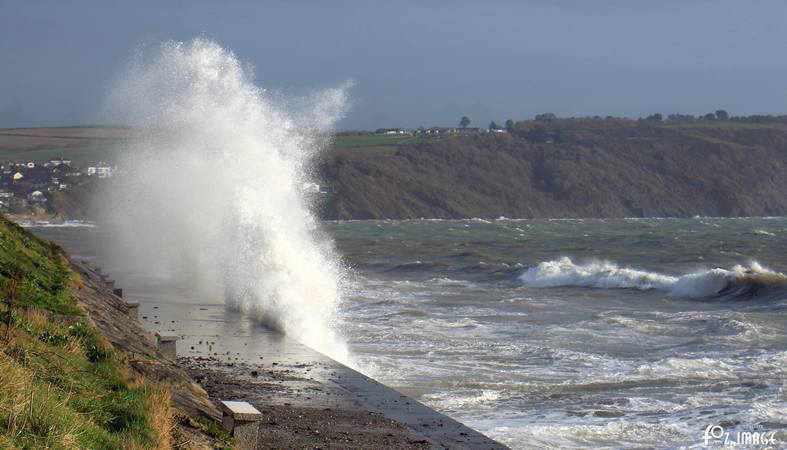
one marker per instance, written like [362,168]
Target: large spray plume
[212,191]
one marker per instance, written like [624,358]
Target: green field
[726,124]
[374,143]
[79,156]
[85,156]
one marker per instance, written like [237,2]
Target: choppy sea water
[571,333]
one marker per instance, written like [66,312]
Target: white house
[58,161]
[101,171]
[391,131]
[311,188]
[18,176]
[36,196]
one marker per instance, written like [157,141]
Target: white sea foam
[707,368]
[213,191]
[613,434]
[58,224]
[608,275]
[453,401]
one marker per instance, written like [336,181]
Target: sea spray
[211,192]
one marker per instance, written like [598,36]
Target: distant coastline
[568,168]
[559,168]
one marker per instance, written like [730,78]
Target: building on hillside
[102,170]
[314,188]
[38,177]
[59,161]
[391,131]
[468,130]
[18,176]
[60,168]
[311,188]
[36,197]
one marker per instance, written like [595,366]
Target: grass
[61,384]
[85,156]
[374,143]
[79,156]
[37,270]
[215,430]
[729,124]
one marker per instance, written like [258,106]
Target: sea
[603,333]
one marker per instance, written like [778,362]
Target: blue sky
[416,62]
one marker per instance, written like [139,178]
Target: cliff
[569,169]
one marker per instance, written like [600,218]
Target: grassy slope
[373,143]
[61,384]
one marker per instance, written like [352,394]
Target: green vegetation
[79,156]
[214,430]
[733,125]
[61,383]
[34,272]
[374,143]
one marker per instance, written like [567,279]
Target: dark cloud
[413,62]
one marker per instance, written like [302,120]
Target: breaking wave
[738,282]
[213,190]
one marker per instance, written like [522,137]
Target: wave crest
[739,281]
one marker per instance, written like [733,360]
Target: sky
[413,63]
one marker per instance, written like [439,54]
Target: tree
[710,116]
[539,133]
[722,115]
[509,125]
[680,117]
[493,125]
[464,122]
[546,117]
[655,117]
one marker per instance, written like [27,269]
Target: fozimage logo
[717,434]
